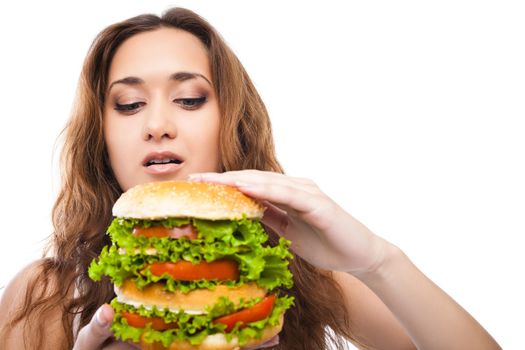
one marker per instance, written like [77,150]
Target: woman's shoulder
[18,285]
[19,296]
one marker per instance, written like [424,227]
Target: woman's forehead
[158,54]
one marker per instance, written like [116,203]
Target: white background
[409,114]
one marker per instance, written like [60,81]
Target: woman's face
[161,108]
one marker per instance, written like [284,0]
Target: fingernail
[134,345]
[193,177]
[272,342]
[102,322]
[208,175]
[201,176]
[242,184]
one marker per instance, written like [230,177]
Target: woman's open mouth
[160,163]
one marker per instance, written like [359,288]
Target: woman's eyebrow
[179,76]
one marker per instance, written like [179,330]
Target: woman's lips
[163,169]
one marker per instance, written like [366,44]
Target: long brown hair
[82,210]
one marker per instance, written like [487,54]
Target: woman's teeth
[163,161]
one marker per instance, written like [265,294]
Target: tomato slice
[259,311]
[187,231]
[222,270]
[157,323]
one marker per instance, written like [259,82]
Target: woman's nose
[159,123]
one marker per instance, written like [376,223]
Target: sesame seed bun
[159,200]
[183,199]
[194,301]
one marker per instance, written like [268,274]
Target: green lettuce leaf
[194,328]
[267,266]
[243,233]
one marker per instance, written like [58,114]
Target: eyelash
[195,104]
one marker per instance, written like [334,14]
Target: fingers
[122,346]
[133,345]
[251,176]
[295,193]
[275,218]
[272,342]
[97,331]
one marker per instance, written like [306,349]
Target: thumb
[271,342]
[95,333]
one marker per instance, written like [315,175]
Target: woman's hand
[271,342]
[320,230]
[96,335]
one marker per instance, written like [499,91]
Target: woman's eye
[128,107]
[190,103]
[186,103]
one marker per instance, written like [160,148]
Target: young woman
[171,87]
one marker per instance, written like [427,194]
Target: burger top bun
[159,200]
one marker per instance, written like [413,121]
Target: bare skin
[300,211]
[386,295]
[162,114]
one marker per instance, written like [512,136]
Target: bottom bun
[217,341]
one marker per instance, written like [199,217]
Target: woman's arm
[328,237]
[371,321]
[96,335]
[431,317]
[14,337]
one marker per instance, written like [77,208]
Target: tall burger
[193,269]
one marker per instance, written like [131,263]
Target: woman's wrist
[389,258]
